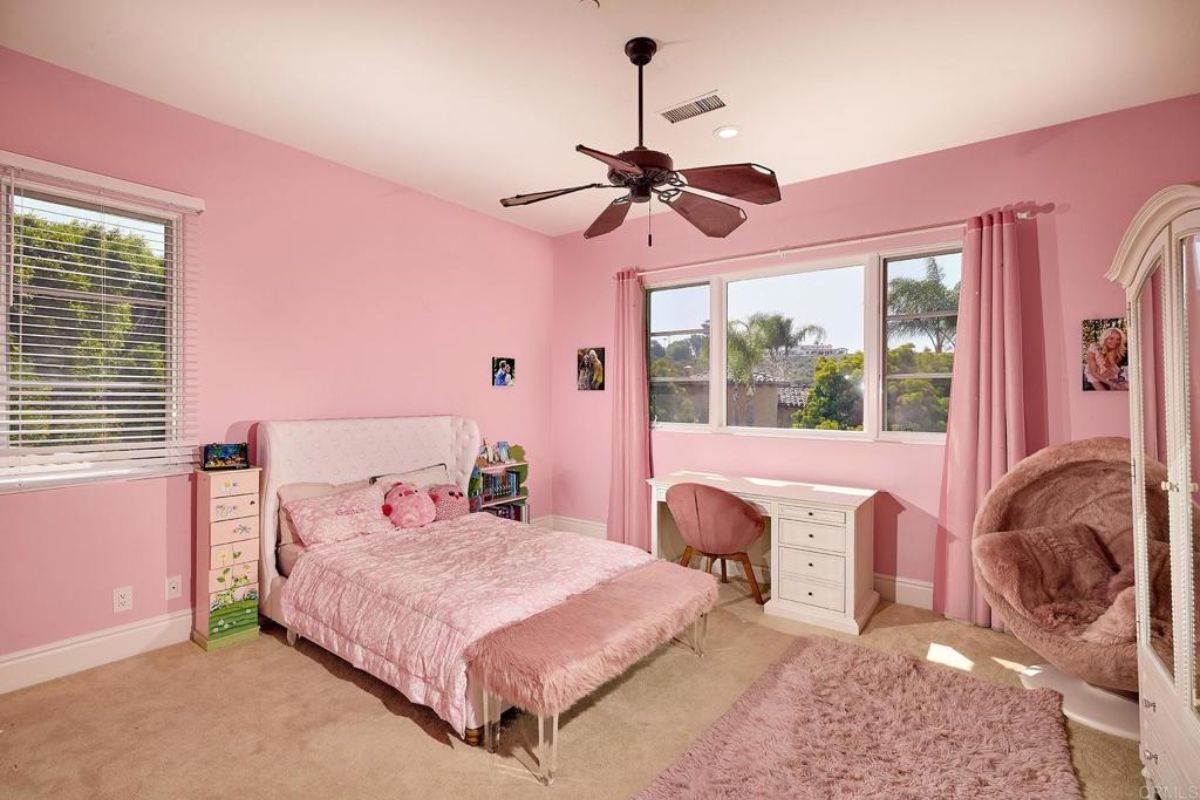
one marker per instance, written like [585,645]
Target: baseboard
[894,589]
[905,591]
[585,527]
[54,660]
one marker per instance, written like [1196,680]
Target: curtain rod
[780,251]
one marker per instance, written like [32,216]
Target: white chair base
[1110,712]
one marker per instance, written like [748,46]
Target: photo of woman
[589,367]
[1105,356]
[504,371]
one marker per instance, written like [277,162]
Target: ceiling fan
[646,174]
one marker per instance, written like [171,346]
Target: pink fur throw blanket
[548,662]
[405,605]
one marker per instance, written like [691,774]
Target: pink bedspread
[404,606]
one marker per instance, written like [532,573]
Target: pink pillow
[337,517]
[449,501]
[408,507]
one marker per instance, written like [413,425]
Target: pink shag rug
[830,720]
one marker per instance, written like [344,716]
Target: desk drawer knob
[810,513]
[810,563]
[810,594]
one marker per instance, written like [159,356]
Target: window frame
[874,343]
[685,283]
[175,399]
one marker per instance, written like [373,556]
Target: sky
[831,298]
[153,233]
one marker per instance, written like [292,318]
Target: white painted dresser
[818,548]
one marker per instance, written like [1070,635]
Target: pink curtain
[985,435]
[628,494]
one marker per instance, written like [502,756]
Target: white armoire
[1158,263]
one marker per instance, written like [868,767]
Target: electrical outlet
[122,599]
[174,587]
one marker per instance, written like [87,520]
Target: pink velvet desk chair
[716,525]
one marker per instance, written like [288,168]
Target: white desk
[817,551]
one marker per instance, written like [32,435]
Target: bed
[412,609]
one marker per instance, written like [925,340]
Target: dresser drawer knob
[810,594]
[810,513]
[811,536]
[810,563]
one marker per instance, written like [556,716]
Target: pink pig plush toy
[449,501]
[408,507]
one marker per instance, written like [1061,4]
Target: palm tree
[908,297]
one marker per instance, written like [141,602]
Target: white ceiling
[473,100]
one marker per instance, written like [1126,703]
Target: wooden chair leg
[686,561]
[749,570]
[724,576]
[708,564]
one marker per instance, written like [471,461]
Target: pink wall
[1089,176]
[322,292]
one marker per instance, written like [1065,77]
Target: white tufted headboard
[343,450]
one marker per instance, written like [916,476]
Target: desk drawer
[810,564]
[236,507]
[812,593]
[813,514]
[234,530]
[233,483]
[795,533]
[227,555]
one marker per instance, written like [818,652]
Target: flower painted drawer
[812,593]
[797,533]
[233,530]
[227,555]
[234,576]
[811,564]
[233,611]
[236,507]
[232,483]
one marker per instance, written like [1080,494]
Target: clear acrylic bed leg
[547,749]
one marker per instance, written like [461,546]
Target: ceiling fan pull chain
[649,224]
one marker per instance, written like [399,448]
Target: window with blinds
[95,381]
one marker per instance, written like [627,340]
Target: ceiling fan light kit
[645,174]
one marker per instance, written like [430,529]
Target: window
[93,380]
[920,322]
[794,350]
[862,347]
[678,320]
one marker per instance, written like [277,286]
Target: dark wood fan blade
[753,183]
[610,218]
[711,217]
[536,197]
[618,164]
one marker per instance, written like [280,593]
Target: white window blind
[96,375]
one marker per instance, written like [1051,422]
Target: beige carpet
[267,721]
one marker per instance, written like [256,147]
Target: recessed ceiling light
[726,132]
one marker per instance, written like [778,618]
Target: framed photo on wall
[1105,356]
[504,371]
[589,367]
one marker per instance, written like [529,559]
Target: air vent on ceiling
[694,108]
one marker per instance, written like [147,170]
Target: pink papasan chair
[1053,548]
